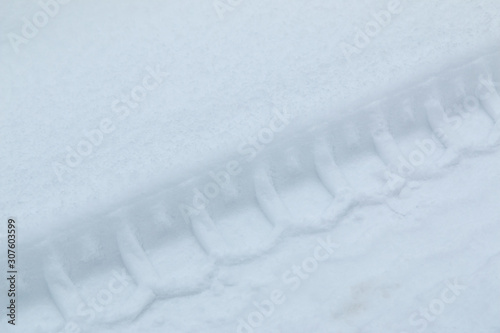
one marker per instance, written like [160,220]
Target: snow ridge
[404,140]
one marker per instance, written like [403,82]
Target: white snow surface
[225,77]
[423,257]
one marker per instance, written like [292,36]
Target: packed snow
[234,166]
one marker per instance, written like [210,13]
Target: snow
[166,98]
